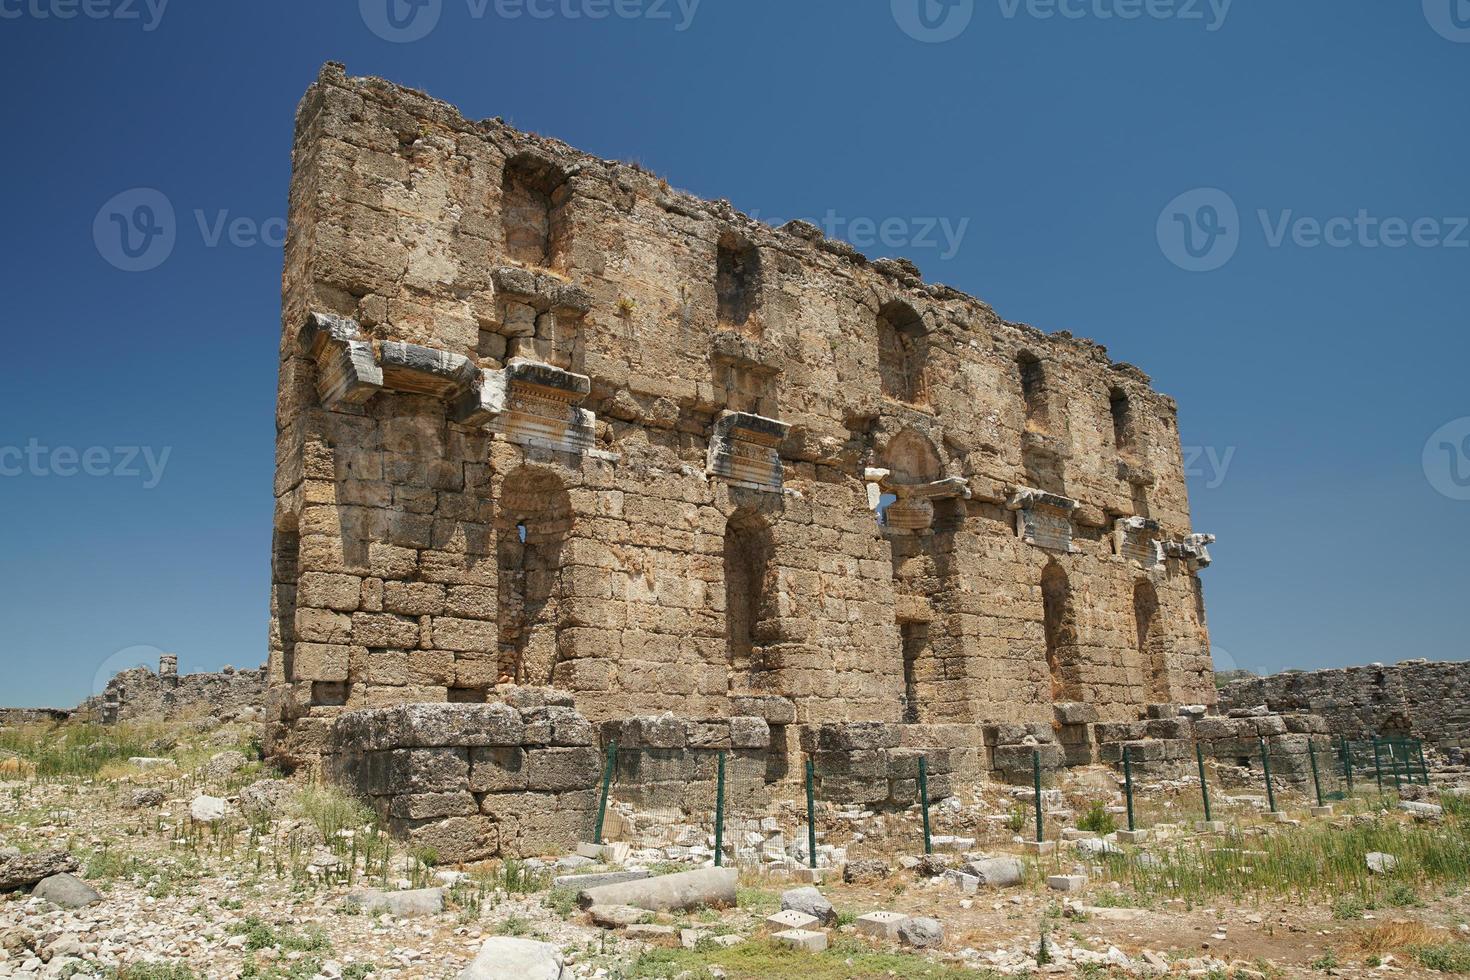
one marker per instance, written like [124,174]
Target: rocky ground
[171,853]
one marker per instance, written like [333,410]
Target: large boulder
[811,902]
[66,891]
[222,765]
[208,809]
[508,958]
[417,901]
[862,872]
[998,872]
[921,933]
[266,799]
[19,870]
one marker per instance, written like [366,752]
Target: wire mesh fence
[729,808]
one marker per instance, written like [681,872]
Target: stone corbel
[744,448]
[346,371]
[1193,549]
[1138,538]
[1044,519]
[531,404]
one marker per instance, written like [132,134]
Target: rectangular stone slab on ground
[704,888]
[790,919]
[880,925]
[803,939]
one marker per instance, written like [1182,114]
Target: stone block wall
[513,778]
[1414,698]
[1165,747]
[543,419]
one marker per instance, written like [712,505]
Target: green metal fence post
[1393,763]
[1378,762]
[720,812]
[1423,764]
[1266,765]
[1036,780]
[1204,784]
[1128,786]
[1316,776]
[811,814]
[607,775]
[924,801]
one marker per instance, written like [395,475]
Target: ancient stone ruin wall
[1414,698]
[544,419]
[139,694]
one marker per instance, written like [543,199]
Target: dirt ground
[266,891]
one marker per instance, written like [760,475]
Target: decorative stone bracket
[532,404]
[1044,519]
[1192,548]
[913,508]
[529,402]
[1138,538]
[743,448]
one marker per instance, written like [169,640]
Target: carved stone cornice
[533,404]
[1044,519]
[744,448]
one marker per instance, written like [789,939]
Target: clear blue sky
[1055,142]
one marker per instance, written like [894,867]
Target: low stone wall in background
[138,694]
[1414,698]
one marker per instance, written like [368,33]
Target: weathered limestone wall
[1414,698]
[139,694]
[544,419]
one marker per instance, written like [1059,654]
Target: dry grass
[15,767]
[1394,937]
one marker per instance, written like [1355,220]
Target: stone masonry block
[557,770]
